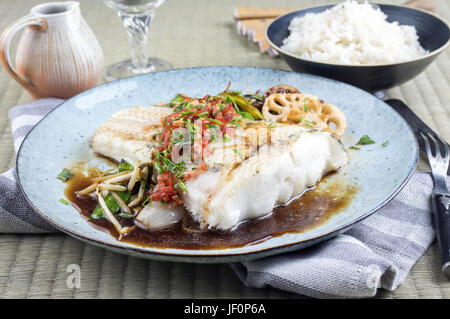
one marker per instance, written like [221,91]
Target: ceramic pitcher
[57,55]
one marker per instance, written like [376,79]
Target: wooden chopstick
[428,5]
[243,13]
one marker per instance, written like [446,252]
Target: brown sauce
[312,209]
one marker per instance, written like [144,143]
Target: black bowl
[433,32]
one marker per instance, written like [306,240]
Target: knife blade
[413,120]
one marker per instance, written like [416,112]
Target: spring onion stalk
[86,191]
[121,202]
[243,105]
[107,213]
[140,196]
[112,187]
[134,177]
[119,179]
[124,166]
[112,205]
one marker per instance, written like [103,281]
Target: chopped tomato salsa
[203,120]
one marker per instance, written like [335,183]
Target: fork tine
[445,150]
[427,144]
[438,163]
[440,151]
[437,151]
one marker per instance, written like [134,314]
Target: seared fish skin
[128,135]
[246,176]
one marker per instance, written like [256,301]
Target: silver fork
[438,155]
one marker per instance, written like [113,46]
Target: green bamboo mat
[188,33]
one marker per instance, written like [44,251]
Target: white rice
[352,33]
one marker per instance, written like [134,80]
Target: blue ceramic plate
[61,139]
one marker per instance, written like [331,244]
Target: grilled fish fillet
[128,135]
[246,177]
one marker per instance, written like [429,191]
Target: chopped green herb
[96,214]
[180,185]
[163,163]
[364,140]
[124,166]
[159,167]
[192,129]
[226,137]
[65,175]
[247,115]
[354,148]
[309,123]
[237,152]
[62,200]
[213,134]
[235,120]
[257,97]
[385,143]
[203,114]
[305,107]
[177,98]
[240,104]
[176,140]
[148,201]
[111,204]
[221,106]
[213,126]
[272,124]
[125,215]
[179,107]
[139,149]
[216,121]
[228,99]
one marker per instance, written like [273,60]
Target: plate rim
[143,251]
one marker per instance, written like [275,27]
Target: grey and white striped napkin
[377,253]
[16,216]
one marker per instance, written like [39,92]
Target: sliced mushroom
[280,89]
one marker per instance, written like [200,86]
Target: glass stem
[137,26]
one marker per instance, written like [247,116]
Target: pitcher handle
[5,43]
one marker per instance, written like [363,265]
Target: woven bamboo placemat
[187,33]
